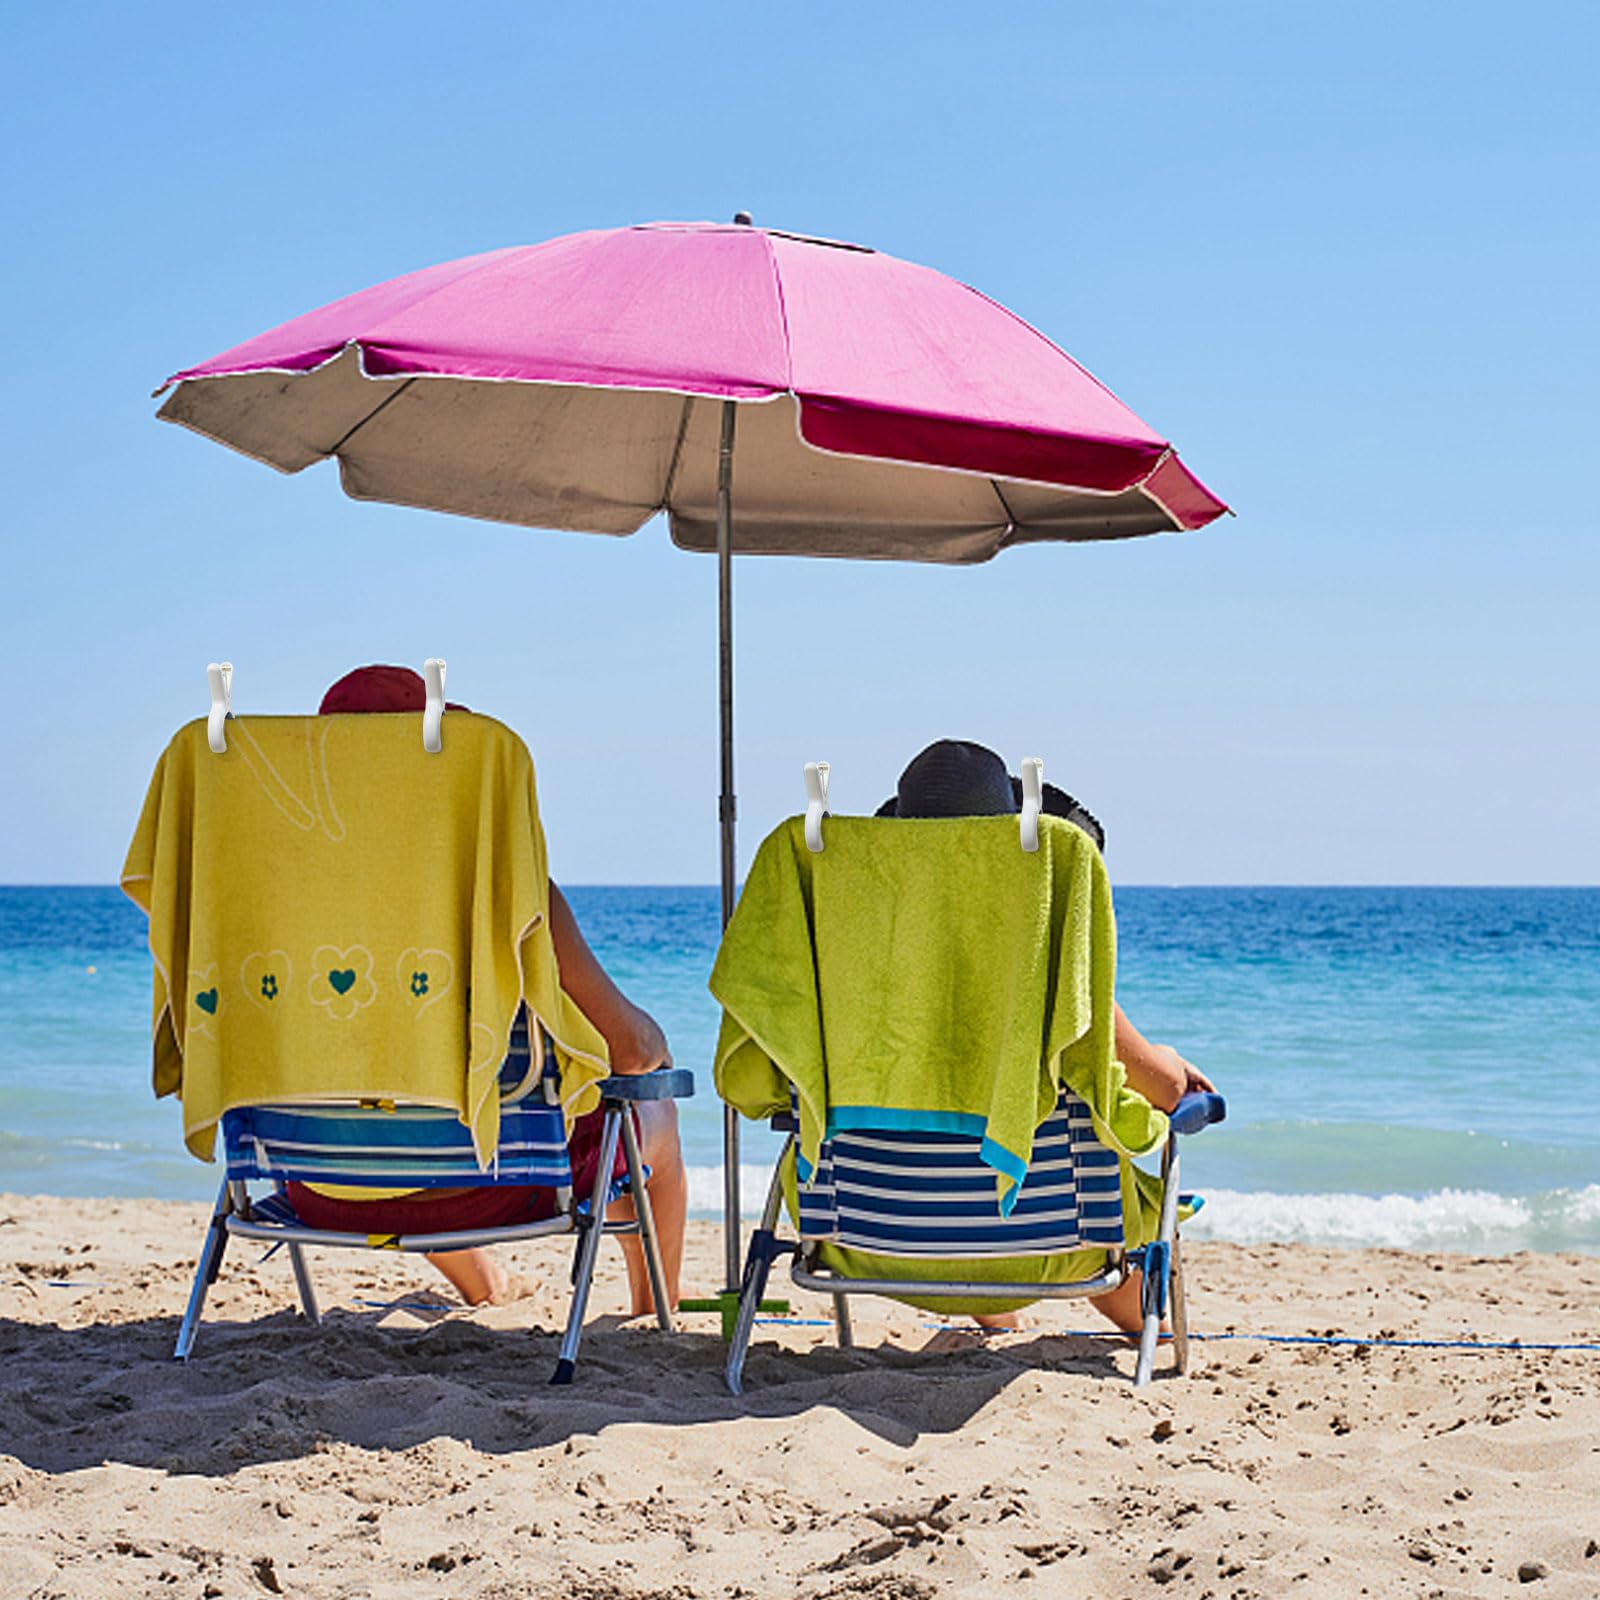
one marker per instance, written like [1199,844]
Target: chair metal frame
[1159,1261]
[236,1216]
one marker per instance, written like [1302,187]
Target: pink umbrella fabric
[576,369]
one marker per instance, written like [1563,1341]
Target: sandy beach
[410,1447]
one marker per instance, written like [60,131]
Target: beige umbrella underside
[604,460]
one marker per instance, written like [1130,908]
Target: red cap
[378,689]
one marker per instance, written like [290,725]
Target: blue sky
[1344,256]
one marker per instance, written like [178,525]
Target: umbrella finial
[743,219]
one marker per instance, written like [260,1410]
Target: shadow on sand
[277,1389]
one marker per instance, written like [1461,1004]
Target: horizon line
[713,888]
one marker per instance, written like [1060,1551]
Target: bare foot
[479,1279]
[514,1287]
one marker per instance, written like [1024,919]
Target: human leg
[1122,1305]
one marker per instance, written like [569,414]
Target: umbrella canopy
[585,374]
[589,382]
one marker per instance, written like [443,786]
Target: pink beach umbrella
[882,411]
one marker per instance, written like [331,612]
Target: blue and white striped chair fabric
[516,1071]
[902,1193]
[414,1147]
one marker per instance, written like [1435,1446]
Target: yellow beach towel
[336,914]
[927,973]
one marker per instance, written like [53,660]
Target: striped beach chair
[420,1147]
[924,1196]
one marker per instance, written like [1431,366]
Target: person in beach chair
[366,979]
[926,1007]
[634,1044]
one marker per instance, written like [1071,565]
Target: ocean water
[1416,1068]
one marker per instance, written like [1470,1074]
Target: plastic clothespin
[219,674]
[1032,802]
[433,711]
[816,803]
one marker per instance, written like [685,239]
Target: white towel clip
[433,712]
[1032,800]
[219,674]
[816,803]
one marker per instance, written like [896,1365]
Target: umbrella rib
[677,454]
[388,400]
[999,494]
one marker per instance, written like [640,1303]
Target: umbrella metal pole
[727,811]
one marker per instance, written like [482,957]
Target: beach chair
[418,1147]
[346,921]
[835,961]
[919,1196]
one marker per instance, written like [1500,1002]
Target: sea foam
[1447,1219]
[705,1190]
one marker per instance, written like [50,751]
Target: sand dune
[411,1448]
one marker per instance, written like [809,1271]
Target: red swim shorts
[492,1206]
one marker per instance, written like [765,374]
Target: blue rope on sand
[1069,1333]
[1325,1339]
[1398,1344]
[1099,1333]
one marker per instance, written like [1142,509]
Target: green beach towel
[928,974]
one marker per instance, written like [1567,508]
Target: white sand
[399,1452]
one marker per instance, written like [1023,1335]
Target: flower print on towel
[266,978]
[205,1000]
[424,977]
[342,980]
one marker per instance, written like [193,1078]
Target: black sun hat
[958,778]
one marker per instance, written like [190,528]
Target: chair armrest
[665,1083]
[784,1122]
[1196,1111]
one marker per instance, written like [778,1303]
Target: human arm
[633,1039]
[1156,1071]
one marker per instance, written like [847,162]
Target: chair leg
[593,1229]
[1150,1331]
[1158,1263]
[758,1263]
[1180,1314]
[205,1273]
[302,1281]
[764,1249]
[843,1328]
[647,1224]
